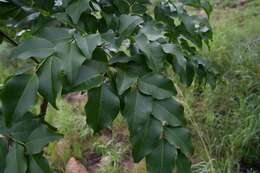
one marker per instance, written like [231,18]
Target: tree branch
[13,42]
[43,108]
[8,38]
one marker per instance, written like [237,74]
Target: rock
[76,97]
[74,166]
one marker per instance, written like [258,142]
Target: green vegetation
[119,53]
[225,122]
[227,118]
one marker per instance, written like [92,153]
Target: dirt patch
[91,161]
[238,3]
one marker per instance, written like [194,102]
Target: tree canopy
[120,52]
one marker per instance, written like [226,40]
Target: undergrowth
[227,119]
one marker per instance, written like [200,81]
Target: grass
[227,119]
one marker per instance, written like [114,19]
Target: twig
[8,38]
[44,107]
[10,138]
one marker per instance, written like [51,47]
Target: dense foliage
[120,52]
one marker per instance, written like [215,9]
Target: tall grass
[226,119]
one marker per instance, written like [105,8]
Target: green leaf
[146,138]
[121,57]
[22,130]
[144,130]
[88,78]
[1,39]
[128,24]
[43,4]
[3,128]
[39,164]
[138,8]
[205,4]
[124,80]
[40,137]
[99,62]
[71,58]
[76,9]
[176,51]
[7,8]
[90,73]
[138,108]
[151,32]
[62,17]
[15,160]
[162,159]
[157,85]
[153,51]
[55,34]
[90,22]
[49,76]
[34,47]
[111,21]
[122,5]
[189,74]
[102,107]
[136,67]
[3,153]
[27,68]
[200,4]
[169,112]
[180,138]
[183,164]
[88,44]
[18,95]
